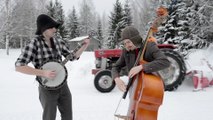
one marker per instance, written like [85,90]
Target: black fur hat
[45,22]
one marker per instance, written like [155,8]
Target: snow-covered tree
[19,17]
[56,11]
[176,28]
[100,33]
[105,26]
[87,18]
[24,22]
[18,22]
[41,6]
[143,12]
[201,24]
[116,23]
[8,18]
[127,14]
[177,22]
[3,10]
[189,25]
[73,24]
[51,9]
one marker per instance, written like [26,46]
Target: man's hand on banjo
[50,74]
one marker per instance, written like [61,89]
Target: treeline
[189,23]
[19,16]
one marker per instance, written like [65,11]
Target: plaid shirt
[33,53]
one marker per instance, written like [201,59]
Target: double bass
[147,89]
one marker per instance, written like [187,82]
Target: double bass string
[128,86]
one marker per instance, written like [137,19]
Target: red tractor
[172,76]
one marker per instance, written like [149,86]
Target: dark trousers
[53,99]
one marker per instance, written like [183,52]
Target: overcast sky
[100,5]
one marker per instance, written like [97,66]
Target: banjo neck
[71,56]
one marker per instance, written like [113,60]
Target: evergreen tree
[73,24]
[176,29]
[189,25]
[56,11]
[100,33]
[127,14]
[59,16]
[116,23]
[51,9]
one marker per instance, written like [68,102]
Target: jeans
[53,99]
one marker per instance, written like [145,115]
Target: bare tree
[2,12]
[105,26]
[41,5]
[8,11]
[87,18]
[143,12]
[3,22]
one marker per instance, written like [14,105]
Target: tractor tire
[175,74]
[103,81]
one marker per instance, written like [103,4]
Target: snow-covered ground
[19,93]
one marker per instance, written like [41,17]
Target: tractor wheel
[103,81]
[175,74]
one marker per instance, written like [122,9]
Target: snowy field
[19,94]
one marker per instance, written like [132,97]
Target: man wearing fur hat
[156,60]
[44,47]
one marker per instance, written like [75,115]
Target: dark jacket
[153,55]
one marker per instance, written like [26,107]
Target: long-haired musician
[45,47]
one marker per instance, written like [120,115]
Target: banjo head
[60,78]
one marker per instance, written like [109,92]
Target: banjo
[59,68]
